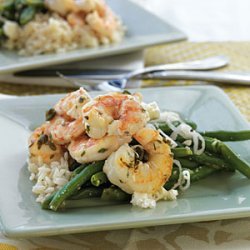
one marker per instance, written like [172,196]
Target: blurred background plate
[143,29]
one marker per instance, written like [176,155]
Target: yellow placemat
[228,234]
[239,61]
[237,52]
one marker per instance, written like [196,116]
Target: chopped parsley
[126,92]
[87,128]
[50,114]
[102,150]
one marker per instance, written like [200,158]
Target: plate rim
[114,49]
[229,213]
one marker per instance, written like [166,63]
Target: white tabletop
[212,20]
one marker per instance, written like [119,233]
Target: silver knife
[241,78]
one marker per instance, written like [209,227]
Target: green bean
[45,204]
[195,175]
[192,124]
[88,202]
[99,179]
[210,160]
[228,135]
[7,5]
[27,15]
[74,184]
[181,152]
[163,126]
[114,194]
[35,3]
[74,165]
[1,32]
[175,174]
[201,173]
[88,192]
[78,170]
[166,129]
[19,4]
[218,147]
[87,184]
[220,134]
[81,194]
[173,178]
[186,163]
[169,184]
[8,14]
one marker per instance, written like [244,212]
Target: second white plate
[143,29]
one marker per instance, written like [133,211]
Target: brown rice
[52,33]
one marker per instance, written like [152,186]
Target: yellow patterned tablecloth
[227,234]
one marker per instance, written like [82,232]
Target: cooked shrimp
[60,6]
[89,5]
[62,131]
[71,105]
[75,19]
[104,23]
[42,148]
[126,169]
[65,6]
[114,114]
[68,124]
[85,149]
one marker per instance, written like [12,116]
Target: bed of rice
[51,33]
[48,178]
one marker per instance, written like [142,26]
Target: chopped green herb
[52,145]
[83,153]
[102,150]
[42,140]
[166,140]
[50,114]
[126,92]
[87,128]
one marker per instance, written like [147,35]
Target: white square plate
[220,196]
[143,29]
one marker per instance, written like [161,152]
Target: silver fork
[210,63]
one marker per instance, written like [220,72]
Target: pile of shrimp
[102,128]
[94,14]
[63,25]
